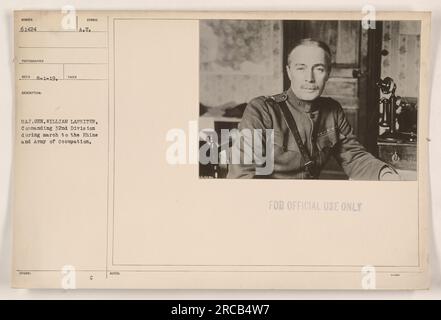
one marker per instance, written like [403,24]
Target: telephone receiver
[388,107]
[387,85]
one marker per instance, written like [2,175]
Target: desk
[401,155]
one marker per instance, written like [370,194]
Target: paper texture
[97,204]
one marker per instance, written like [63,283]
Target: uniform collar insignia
[301,105]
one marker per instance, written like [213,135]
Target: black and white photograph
[309,99]
[140,139]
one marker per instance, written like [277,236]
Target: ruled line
[21,47]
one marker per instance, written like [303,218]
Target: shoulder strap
[294,130]
[289,119]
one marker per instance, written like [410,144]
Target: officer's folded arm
[355,160]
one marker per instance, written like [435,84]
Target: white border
[6,125]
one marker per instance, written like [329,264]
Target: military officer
[308,128]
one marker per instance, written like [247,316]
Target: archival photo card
[221,150]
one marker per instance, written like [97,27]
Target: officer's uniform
[324,131]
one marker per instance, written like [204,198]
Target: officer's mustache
[309,87]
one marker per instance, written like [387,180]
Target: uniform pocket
[326,132]
[327,140]
[285,141]
[287,156]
